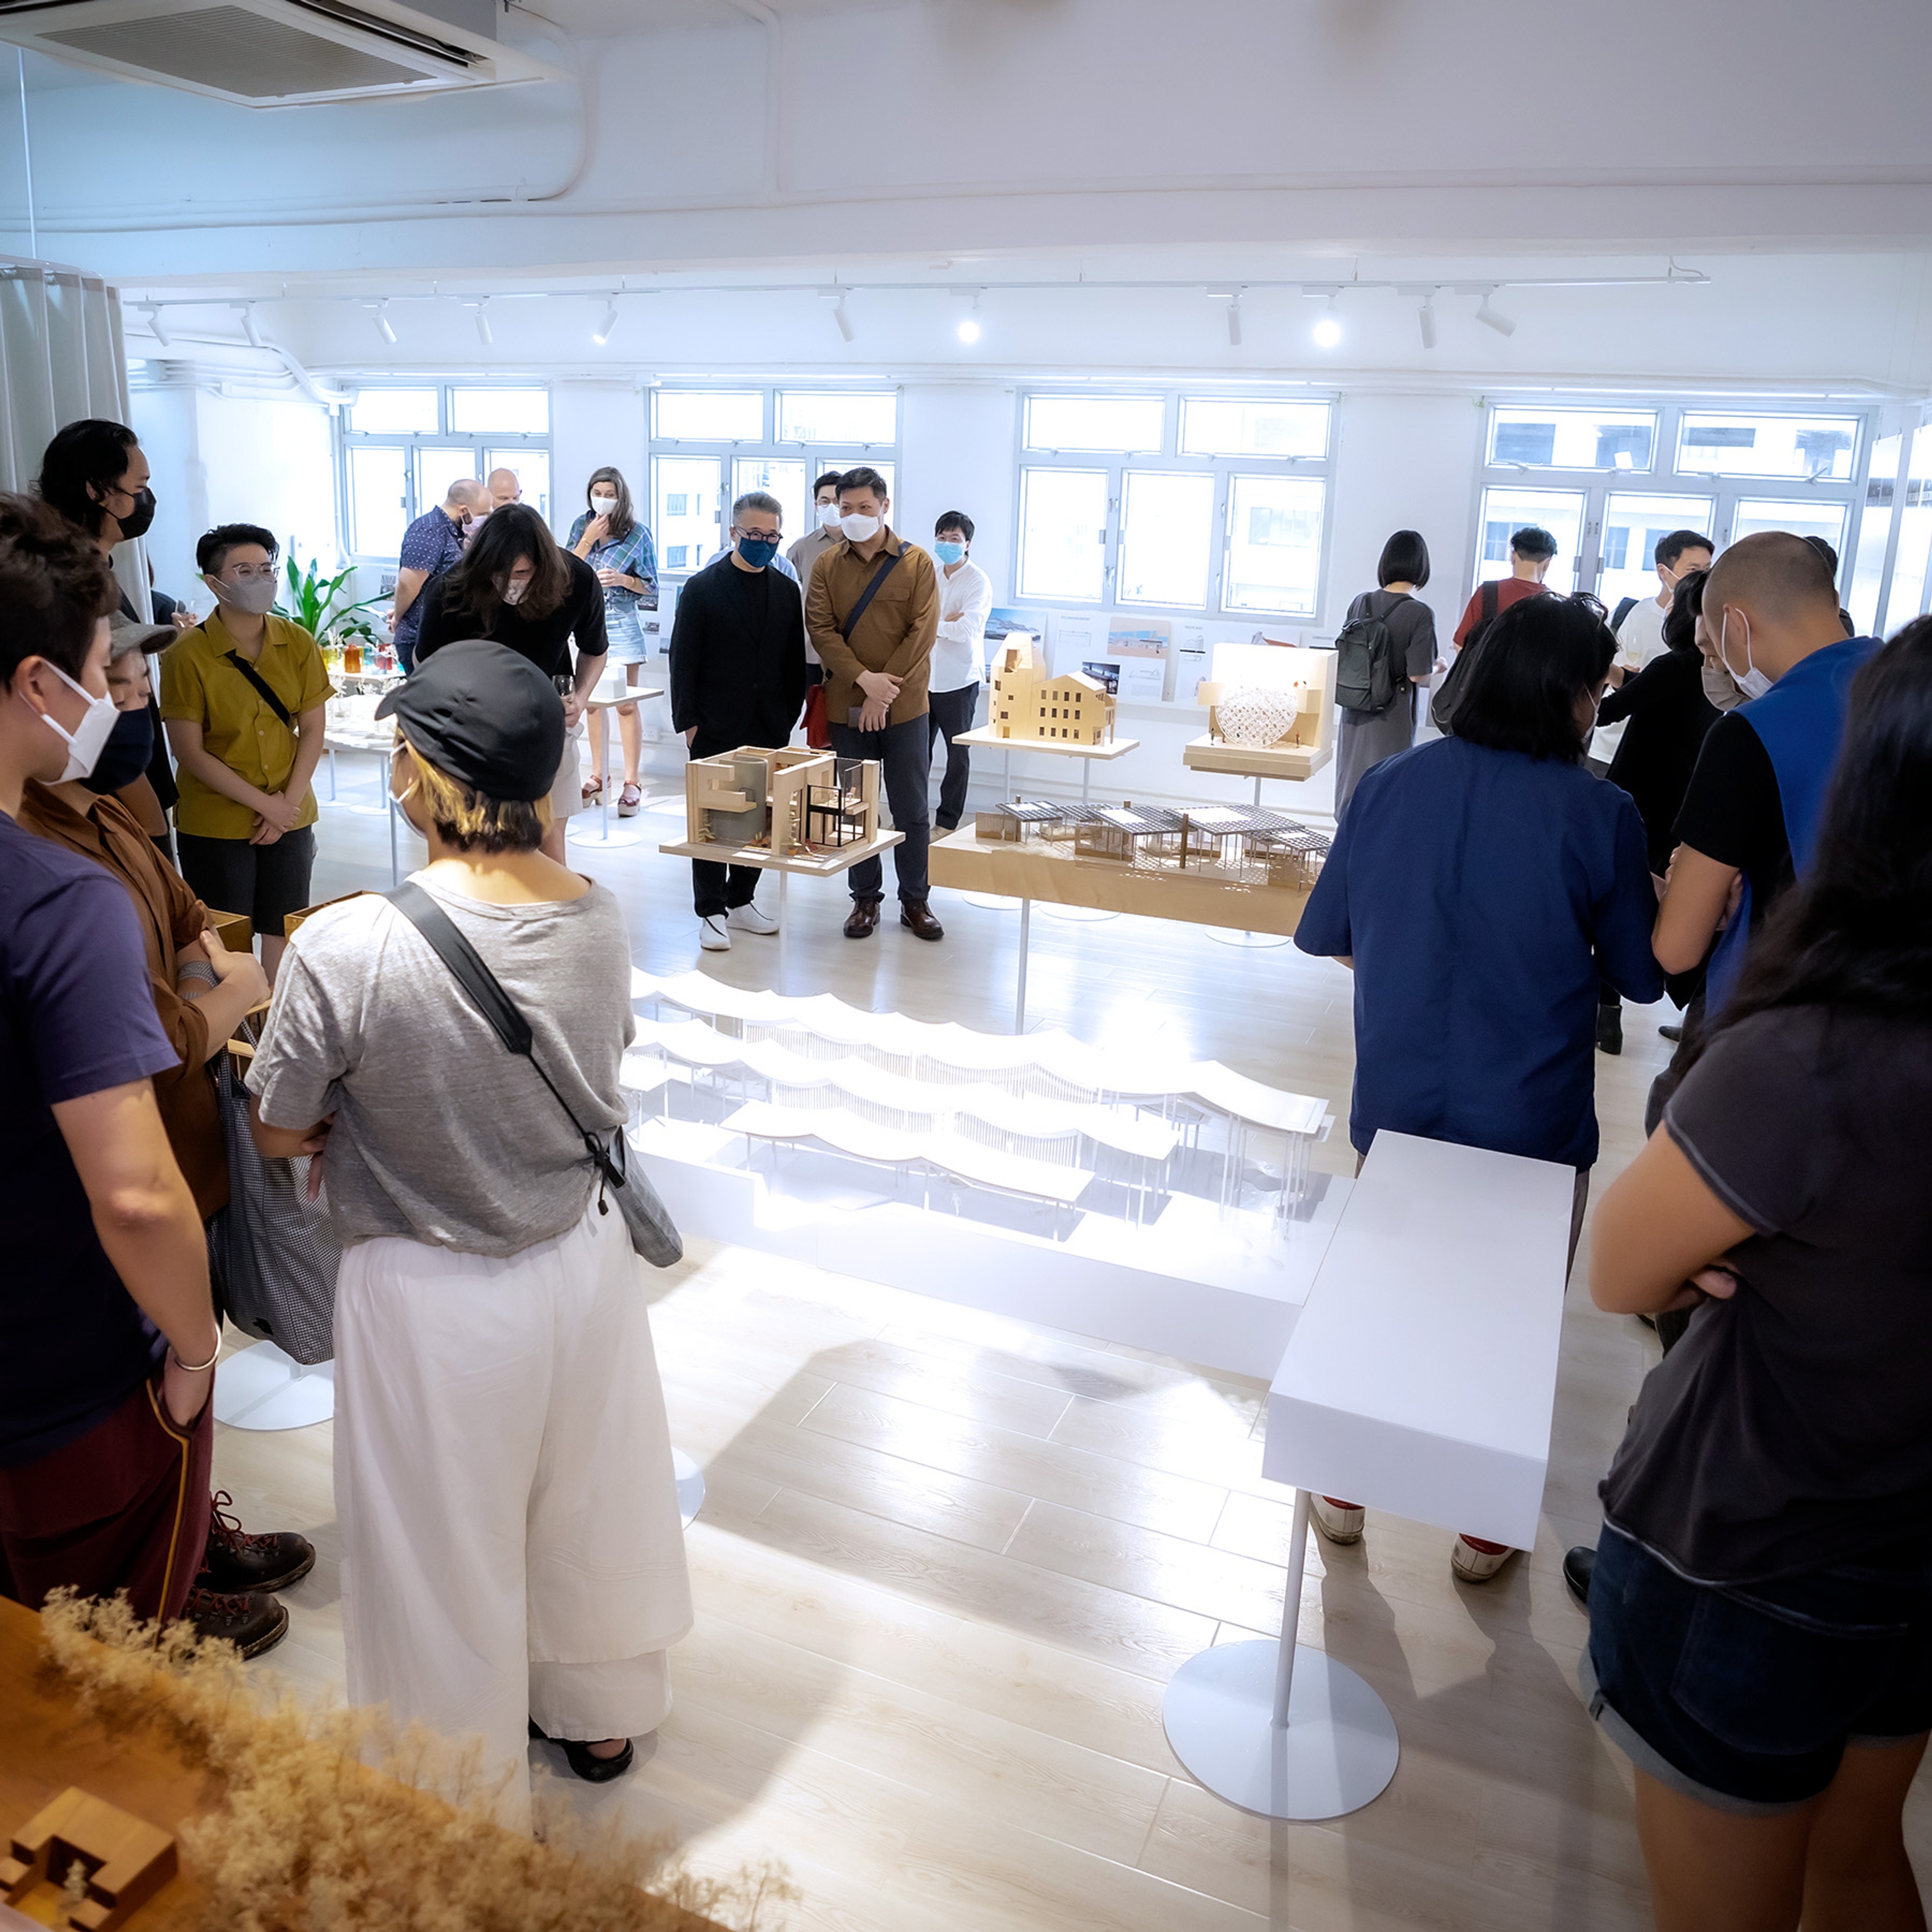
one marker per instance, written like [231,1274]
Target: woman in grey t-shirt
[1362,742]
[513,1559]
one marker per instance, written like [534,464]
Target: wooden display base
[126,1860]
[984,738]
[1210,754]
[1049,870]
[826,865]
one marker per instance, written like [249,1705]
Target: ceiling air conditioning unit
[277,53]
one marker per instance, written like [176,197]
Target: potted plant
[315,602]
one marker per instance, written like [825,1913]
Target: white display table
[1419,1378]
[605,698]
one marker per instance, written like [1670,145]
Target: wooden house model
[786,801]
[1028,703]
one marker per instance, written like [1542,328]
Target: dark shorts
[266,882]
[1744,1697]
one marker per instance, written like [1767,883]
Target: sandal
[629,800]
[592,787]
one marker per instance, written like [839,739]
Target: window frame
[480,443]
[1222,469]
[816,457]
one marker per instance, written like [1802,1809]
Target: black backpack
[1449,693]
[1623,610]
[1369,671]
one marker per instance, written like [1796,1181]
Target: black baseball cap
[484,715]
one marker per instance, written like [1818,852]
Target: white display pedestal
[690,1485]
[261,1388]
[1226,935]
[603,699]
[1279,1730]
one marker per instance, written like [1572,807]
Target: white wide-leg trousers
[511,1545]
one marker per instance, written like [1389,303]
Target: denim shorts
[1744,1697]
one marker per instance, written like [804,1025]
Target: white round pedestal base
[1228,936]
[1338,1751]
[260,1387]
[1077,912]
[690,1485]
[991,902]
[590,836]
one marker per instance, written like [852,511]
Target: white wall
[594,424]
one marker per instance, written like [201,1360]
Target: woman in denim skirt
[609,537]
[1761,1611]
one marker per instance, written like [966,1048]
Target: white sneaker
[711,934]
[750,918]
[1474,1565]
[1340,1522]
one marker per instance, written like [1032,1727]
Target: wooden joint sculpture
[126,1861]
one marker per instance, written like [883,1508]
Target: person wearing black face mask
[95,474]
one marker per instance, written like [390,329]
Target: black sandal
[592,1770]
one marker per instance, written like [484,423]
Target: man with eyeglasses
[245,696]
[737,677]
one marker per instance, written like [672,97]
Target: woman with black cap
[512,1555]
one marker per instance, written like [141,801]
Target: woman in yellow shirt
[245,697]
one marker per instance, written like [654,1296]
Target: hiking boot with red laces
[236,1562]
[251,1622]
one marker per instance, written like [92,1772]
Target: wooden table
[1049,870]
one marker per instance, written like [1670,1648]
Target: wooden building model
[1029,703]
[786,801]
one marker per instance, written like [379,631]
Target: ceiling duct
[277,53]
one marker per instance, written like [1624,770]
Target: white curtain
[61,358]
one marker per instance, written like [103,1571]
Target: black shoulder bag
[653,1234]
[1442,705]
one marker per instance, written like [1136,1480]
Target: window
[1874,533]
[394,413]
[1217,426]
[841,463]
[1167,532]
[1633,525]
[1914,553]
[1131,424]
[685,526]
[499,412]
[779,476]
[1063,534]
[1812,448]
[708,415]
[1808,518]
[807,416]
[1274,544]
[1506,511]
[402,447]
[1553,439]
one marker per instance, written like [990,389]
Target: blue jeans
[1743,1696]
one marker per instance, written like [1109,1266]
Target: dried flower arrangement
[306,1840]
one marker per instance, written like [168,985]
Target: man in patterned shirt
[431,545]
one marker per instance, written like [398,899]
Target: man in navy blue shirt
[432,545]
[1481,886]
[105,1433]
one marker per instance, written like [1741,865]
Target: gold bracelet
[195,1368]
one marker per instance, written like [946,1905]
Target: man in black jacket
[737,677]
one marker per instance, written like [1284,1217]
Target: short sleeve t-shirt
[1509,590]
[77,1017]
[441,1135]
[544,641]
[238,726]
[1791,1429]
[432,545]
[1732,811]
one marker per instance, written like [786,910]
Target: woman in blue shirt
[609,537]
[1481,885]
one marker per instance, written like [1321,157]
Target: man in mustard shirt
[244,697]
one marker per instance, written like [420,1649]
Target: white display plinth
[690,1485]
[261,1388]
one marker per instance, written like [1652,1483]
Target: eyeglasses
[759,536]
[249,573]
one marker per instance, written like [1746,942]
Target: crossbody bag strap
[263,688]
[487,996]
[1492,597]
[886,564]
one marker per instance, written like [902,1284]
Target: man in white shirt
[823,533]
[1638,623]
[958,656]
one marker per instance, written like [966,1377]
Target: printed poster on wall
[1140,651]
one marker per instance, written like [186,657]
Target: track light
[247,311]
[836,297]
[1426,315]
[152,311]
[968,331]
[601,333]
[1328,330]
[385,328]
[1235,323]
[1501,324]
[483,332]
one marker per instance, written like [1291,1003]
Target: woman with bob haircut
[1761,1611]
[513,1560]
[1364,740]
[515,587]
[609,537]
[1480,885]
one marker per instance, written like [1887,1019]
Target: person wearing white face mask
[958,657]
[608,536]
[1751,816]
[824,534]
[245,697]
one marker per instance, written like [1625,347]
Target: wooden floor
[948,1563]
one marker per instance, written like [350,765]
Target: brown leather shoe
[915,914]
[863,920]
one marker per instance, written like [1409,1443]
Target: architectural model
[1288,703]
[1237,845]
[1029,704]
[792,803]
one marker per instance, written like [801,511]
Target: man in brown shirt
[875,673]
